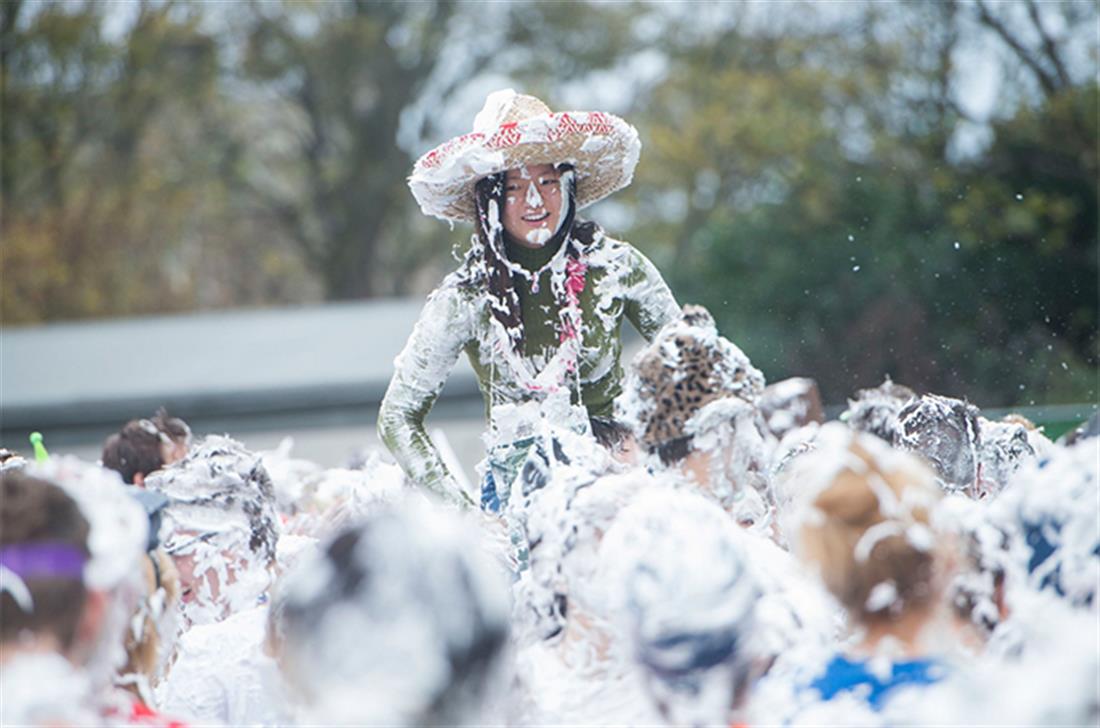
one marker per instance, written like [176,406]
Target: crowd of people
[723,557]
[670,543]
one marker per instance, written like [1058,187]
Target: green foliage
[832,235]
[800,173]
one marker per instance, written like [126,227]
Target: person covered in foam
[1041,665]
[691,398]
[539,300]
[875,410]
[569,666]
[946,432]
[44,630]
[399,621]
[863,520]
[1008,445]
[221,531]
[72,550]
[1050,510]
[686,601]
[219,526]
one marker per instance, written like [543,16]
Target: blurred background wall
[854,189]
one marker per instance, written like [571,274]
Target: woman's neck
[529,258]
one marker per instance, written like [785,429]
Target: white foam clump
[289,475]
[382,653]
[118,524]
[1059,498]
[873,536]
[45,689]
[882,596]
[492,113]
[117,536]
[539,236]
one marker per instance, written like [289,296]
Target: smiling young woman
[538,302]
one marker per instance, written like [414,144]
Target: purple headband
[44,560]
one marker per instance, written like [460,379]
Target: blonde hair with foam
[868,526]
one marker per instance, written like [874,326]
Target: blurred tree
[326,163]
[810,170]
[112,159]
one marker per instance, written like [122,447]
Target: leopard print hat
[687,366]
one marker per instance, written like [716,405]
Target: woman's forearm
[420,371]
[401,428]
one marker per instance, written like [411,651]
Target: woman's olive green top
[620,283]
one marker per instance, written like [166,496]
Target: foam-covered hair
[117,536]
[399,621]
[861,511]
[222,487]
[1050,507]
[946,432]
[875,410]
[679,564]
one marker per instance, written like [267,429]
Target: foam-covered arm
[420,371]
[649,303]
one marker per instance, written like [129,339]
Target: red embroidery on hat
[593,123]
[435,157]
[507,135]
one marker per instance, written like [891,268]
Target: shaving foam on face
[539,236]
[533,198]
[220,526]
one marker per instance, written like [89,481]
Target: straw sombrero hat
[513,130]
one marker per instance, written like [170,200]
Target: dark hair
[674,450]
[37,511]
[577,236]
[133,450]
[176,429]
[610,433]
[137,447]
